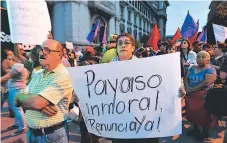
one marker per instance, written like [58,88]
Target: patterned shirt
[115,59]
[56,87]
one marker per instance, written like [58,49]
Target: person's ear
[133,48]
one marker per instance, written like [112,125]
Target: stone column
[132,18]
[68,22]
[126,17]
[161,24]
[112,26]
[137,23]
[58,21]
[117,16]
[81,21]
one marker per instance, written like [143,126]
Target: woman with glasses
[125,50]
[197,81]
[188,56]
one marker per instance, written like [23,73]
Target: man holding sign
[136,103]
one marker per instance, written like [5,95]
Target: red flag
[177,36]
[193,38]
[154,37]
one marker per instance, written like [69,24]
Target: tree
[220,18]
[221,14]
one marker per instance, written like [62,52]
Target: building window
[3,4]
[122,11]
[140,22]
[130,1]
[136,4]
[160,4]
[148,25]
[129,15]
[144,25]
[133,3]
[135,19]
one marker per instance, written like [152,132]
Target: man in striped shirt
[47,98]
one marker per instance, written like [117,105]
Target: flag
[153,39]
[193,38]
[177,36]
[104,35]
[93,32]
[203,35]
[220,32]
[189,27]
[97,30]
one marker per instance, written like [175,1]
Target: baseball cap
[112,38]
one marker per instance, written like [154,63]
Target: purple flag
[189,28]
[104,35]
[203,35]
[91,35]
[97,30]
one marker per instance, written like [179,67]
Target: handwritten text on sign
[131,99]
[29,21]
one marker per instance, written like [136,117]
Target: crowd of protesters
[38,83]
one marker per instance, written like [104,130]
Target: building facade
[139,17]
[72,20]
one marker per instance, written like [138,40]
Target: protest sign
[131,99]
[29,21]
[27,47]
[69,45]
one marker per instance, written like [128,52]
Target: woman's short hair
[129,36]
[205,53]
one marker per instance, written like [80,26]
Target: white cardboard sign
[29,21]
[69,45]
[131,99]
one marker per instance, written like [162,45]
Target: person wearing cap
[111,49]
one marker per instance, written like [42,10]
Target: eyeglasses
[184,43]
[46,51]
[109,42]
[120,43]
